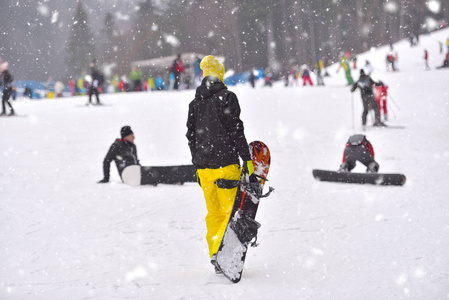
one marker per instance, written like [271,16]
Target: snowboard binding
[246,229]
[252,187]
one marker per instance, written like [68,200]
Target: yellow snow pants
[219,202]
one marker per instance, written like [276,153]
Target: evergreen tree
[80,48]
[171,20]
[109,40]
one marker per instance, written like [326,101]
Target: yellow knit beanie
[212,67]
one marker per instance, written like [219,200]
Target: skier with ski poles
[216,139]
[365,84]
[96,82]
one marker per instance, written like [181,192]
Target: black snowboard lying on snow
[136,175]
[362,178]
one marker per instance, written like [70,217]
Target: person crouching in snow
[216,139]
[358,148]
[123,152]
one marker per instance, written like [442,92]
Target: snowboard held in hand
[362,178]
[241,230]
[136,175]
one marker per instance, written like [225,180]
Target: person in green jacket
[135,76]
[345,65]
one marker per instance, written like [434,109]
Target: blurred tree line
[250,33]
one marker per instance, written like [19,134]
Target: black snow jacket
[96,75]
[214,129]
[6,79]
[123,153]
[365,84]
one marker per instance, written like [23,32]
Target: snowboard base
[241,229]
[131,175]
[136,175]
[361,178]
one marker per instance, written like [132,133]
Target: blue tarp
[243,77]
[37,88]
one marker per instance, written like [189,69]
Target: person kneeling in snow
[123,152]
[358,148]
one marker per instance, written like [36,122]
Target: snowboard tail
[136,175]
[169,174]
[242,227]
[361,178]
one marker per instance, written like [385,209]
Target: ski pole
[392,99]
[352,108]
[390,108]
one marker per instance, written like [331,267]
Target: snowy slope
[65,237]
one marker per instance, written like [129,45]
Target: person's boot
[379,124]
[372,167]
[213,260]
[343,168]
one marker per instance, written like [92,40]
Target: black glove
[104,180]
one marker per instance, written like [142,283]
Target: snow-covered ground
[63,236]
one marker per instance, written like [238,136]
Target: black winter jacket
[214,129]
[6,79]
[123,153]
[365,84]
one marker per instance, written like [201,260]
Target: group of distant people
[133,82]
[292,76]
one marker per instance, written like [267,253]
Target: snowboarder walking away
[93,87]
[123,152]
[6,80]
[177,68]
[216,139]
[365,84]
[358,148]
